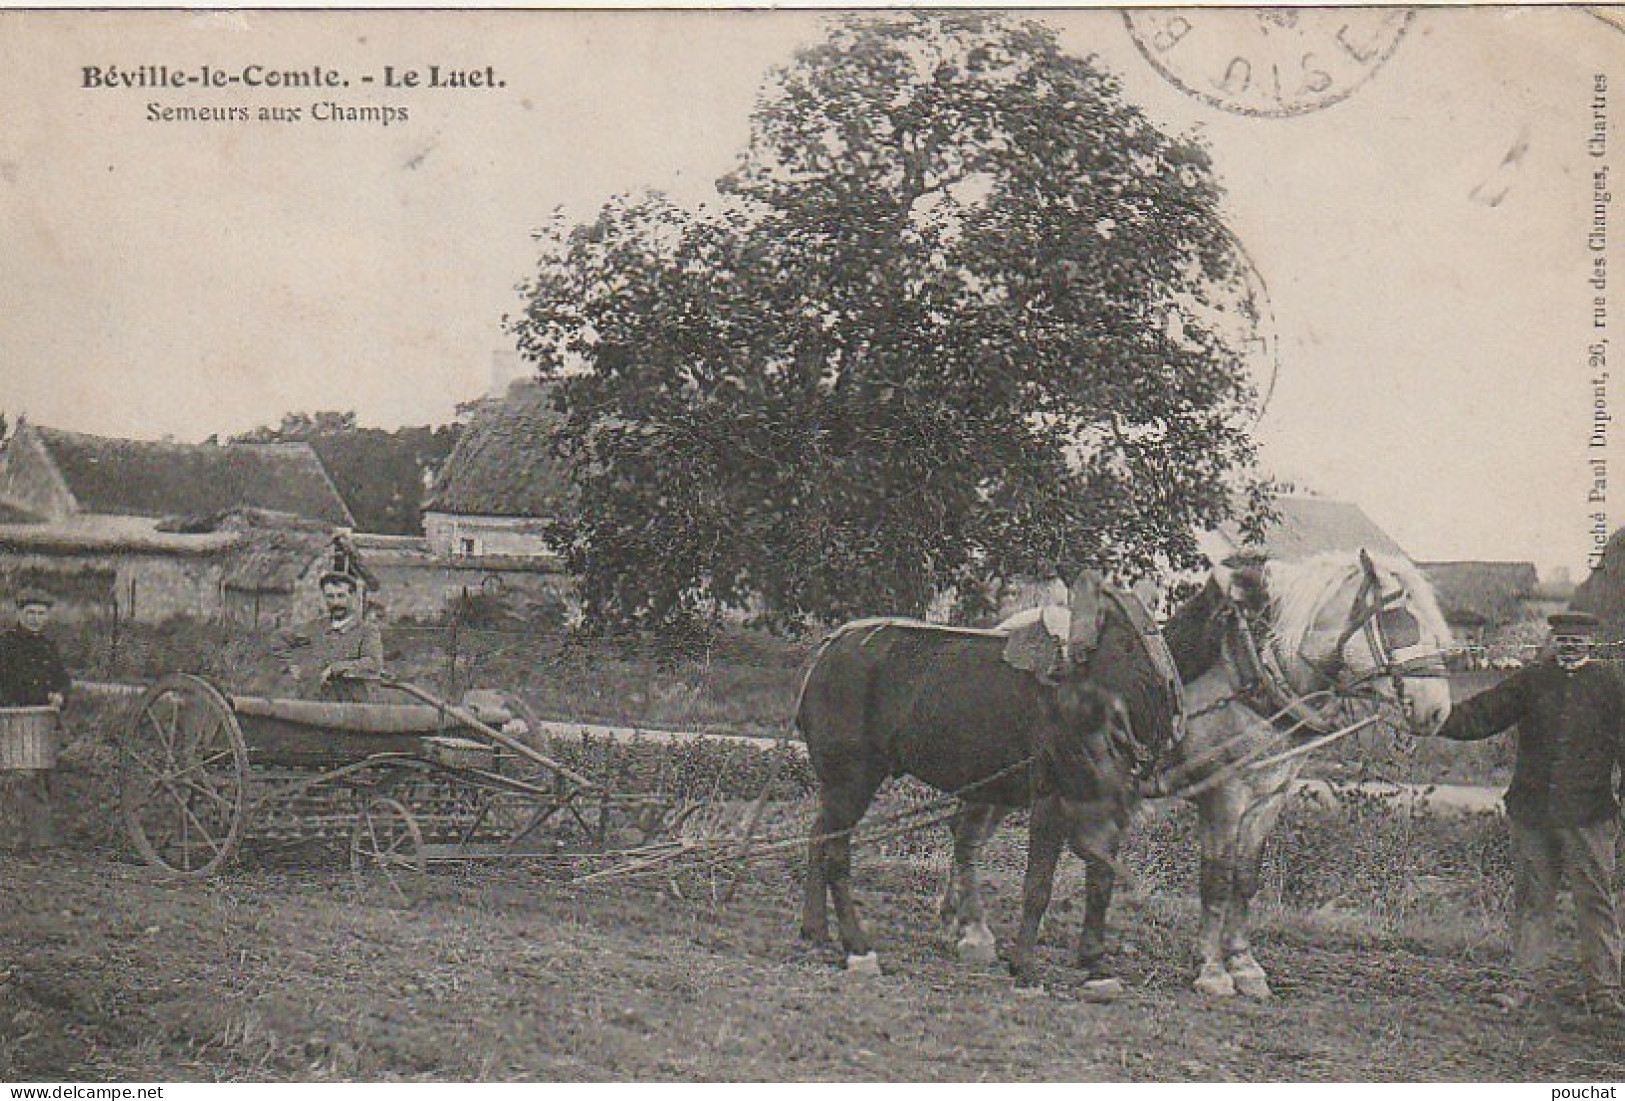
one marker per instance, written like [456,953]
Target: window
[467,546]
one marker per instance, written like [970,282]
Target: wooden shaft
[463,715]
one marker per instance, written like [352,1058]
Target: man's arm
[1490,712]
[60,680]
[8,678]
[290,640]
[369,664]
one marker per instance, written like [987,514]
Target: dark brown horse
[1020,719]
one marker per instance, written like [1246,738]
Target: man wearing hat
[31,670]
[1562,811]
[340,655]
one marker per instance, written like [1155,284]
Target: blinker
[1400,628]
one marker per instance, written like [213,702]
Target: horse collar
[1258,681]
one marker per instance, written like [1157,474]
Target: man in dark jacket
[31,669]
[1564,816]
[338,656]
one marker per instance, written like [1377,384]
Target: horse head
[1104,660]
[1351,624]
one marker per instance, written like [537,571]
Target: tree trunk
[26,819]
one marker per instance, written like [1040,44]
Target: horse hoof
[977,950]
[1256,989]
[1093,966]
[1101,990]
[1215,983]
[865,966]
[1249,978]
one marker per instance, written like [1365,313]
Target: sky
[1423,240]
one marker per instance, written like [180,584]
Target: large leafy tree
[959,316]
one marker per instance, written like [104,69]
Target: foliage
[958,318]
[380,474]
[1361,852]
[699,769]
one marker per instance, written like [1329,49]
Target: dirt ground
[275,971]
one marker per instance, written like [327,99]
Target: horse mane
[1297,591]
[1195,633]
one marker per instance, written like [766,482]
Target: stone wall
[456,536]
[147,587]
[421,586]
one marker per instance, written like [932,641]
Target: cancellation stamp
[1268,62]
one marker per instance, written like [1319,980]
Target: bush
[702,769]
[1364,854]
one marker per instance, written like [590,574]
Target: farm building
[1306,526]
[106,565]
[53,475]
[417,583]
[147,530]
[273,576]
[1482,600]
[1602,593]
[500,486]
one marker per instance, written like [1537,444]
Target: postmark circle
[1268,62]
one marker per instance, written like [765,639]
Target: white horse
[1266,653]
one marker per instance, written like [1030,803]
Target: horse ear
[1242,580]
[1032,649]
[1367,564]
[1087,604]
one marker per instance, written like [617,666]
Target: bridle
[1379,617]
[1386,624]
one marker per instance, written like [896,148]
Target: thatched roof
[267,560]
[1313,525]
[1602,593]
[149,478]
[109,535]
[1493,592]
[501,465]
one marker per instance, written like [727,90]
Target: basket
[28,738]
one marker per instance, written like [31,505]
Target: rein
[1260,684]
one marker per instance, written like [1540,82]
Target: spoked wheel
[183,777]
[386,853]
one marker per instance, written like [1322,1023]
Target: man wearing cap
[1562,811]
[338,656]
[31,670]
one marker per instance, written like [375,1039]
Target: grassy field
[1383,933]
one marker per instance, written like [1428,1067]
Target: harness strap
[1259,682]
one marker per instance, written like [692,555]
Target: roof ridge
[118,475]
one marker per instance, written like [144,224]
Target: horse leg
[1101,882]
[1045,837]
[1220,819]
[973,825]
[815,887]
[1256,825]
[948,901]
[841,808]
